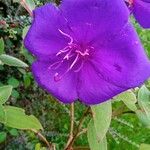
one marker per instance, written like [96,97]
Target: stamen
[55,65]
[66,49]
[58,77]
[83,54]
[74,62]
[77,70]
[67,35]
[73,54]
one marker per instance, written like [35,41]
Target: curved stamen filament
[67,35]
[66,49]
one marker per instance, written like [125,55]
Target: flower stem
[71,142]
[71,123]
[24,4]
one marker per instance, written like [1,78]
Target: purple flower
[141,11]
[86,50]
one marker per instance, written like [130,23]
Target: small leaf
[144,147]
[1,46]
[38,146]
[16,118]
[27,80]
[13,82]
[128,98]
[14,132]
[102,118]
[5,92]
[144,99]
[12,61]
[3,136]
[93,140]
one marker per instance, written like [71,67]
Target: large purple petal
[43,38]
[64,90]
[141,11]
[92,89]
[87,17]
[117,65]
[122,60]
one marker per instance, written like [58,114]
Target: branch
[82,131]
[49,145]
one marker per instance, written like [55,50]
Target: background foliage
[130,123]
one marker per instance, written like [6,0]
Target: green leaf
[2,114]
[128,98]
[31,5]
[14,132]
[1,46]
[27,80]
[102,118]
[93,140]
[12,61]
[16,118]
[13,81]
[5,92]
[1,63]
[144,147]
[144,99]
[143,118]
[3,136]
[25,30]
[15,94]
[38,146]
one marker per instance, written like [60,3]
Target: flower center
[73,56]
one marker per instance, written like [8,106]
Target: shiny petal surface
[87,17]
[43,38]
[64,90]
[141,11]
[122,60]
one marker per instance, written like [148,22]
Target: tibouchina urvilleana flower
[141,11]
[86,50]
